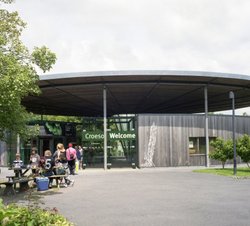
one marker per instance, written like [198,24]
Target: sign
[53,128]
[60,129]
[111,135]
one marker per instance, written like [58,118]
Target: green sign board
[111,135]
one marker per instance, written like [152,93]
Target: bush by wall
[223,150]
[243,148]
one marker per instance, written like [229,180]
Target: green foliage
[229,172]
[44,58]
[62,118]
[243,148]
[27,216]
[18,77]
[223,150]
[7,1]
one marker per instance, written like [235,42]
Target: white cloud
[88,35]
[159,34]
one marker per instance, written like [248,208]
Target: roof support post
[206,127]
[105,126]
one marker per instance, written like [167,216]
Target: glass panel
[121,150]
[197,145]
[93,154]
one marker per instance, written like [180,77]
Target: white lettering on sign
[122,136]
[111,135]
[94,136]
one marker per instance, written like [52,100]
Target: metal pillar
[231,96]
[105,126]
[206,127]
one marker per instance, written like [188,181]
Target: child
[34,161]
[47,164]
[17,165]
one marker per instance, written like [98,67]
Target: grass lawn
[241,172]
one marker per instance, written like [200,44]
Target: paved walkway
[158,196]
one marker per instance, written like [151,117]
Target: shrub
[243,148]
[13,215]
[223,150]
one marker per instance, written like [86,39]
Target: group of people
[61,162]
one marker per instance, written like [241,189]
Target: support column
[206,127]
[105,126]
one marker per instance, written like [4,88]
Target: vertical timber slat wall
[163,140]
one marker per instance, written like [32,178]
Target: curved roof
[133,92]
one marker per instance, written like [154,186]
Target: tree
[18,77]
[243,148]
[43,58]
[223,150]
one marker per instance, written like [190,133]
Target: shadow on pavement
[30,196]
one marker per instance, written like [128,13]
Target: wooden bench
[57,178]
[10,178]
[10,185]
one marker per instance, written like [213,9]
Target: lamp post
[231,96]
[105,126]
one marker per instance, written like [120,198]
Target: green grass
[229,172]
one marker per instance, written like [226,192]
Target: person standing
[71,157]
[61,164]
[77,159]
[80,150]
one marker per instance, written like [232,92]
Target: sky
[100,35]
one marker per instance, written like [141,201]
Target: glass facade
[121,138]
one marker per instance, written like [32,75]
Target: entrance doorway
[45,144]
[121,136]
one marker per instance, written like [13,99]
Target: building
[179,140]
[111,93]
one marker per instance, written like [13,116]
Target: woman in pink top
[71,157]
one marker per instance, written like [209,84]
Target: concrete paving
[157,196]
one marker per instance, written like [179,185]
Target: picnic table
[19,177]
[20,171]
[10,185]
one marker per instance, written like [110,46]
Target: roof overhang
[133,92]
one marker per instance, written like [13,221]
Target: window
[197,145]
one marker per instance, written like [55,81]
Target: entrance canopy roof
[133,92]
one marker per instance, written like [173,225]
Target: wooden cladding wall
[163,140]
